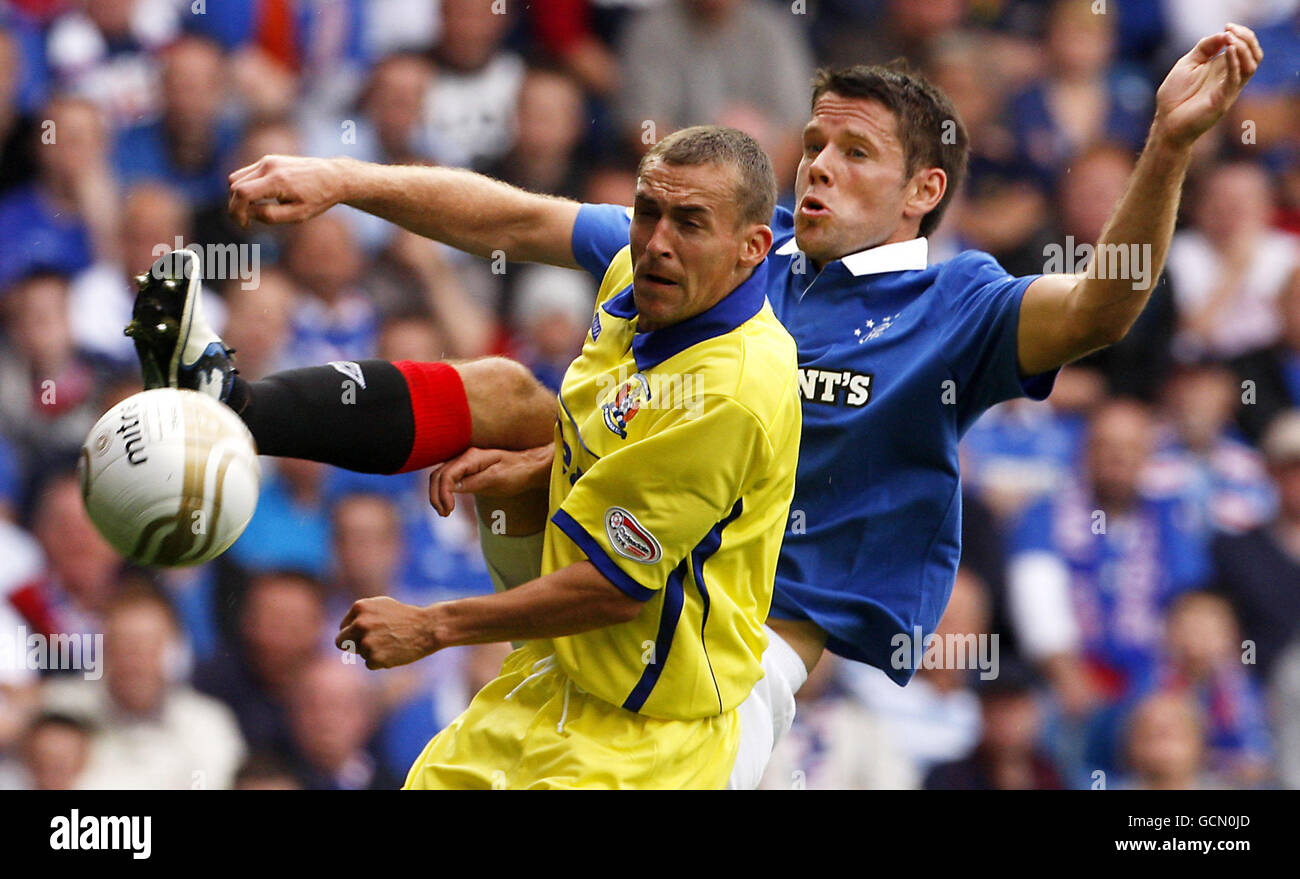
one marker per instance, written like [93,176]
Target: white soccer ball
[170,477]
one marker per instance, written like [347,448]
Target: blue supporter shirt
[36,236]
[1125,571]
[897,359]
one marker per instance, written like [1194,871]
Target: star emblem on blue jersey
[871,329]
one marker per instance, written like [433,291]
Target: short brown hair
[706,144]
[932,133]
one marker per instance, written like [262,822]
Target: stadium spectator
[443,560]
[1259,571]
[1082,100]
[1203,657]
[333,713]
[334,318]
[1270,377]
[1199,458]
[150,730]
[49,390]
[309,53]
[281,629]
[726,62]
[258,321]
[386,125]
[55,752]
[106,51]
[1009,755]
[836,743]
[416,276]
[189,146]
[1165,745]
[549,123]
[290,528]
[1001,209]
[552,317]
[84,568]
[1094,567]
[1229,267]
[154,215]
[67,217]
[1019,453]
[471,106]
[367,549]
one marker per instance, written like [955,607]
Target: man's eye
[858,153]
[812,148]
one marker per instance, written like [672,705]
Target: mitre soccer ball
[170,477]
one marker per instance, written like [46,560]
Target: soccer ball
[170,477]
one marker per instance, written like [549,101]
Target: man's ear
[757,243]
[924,192]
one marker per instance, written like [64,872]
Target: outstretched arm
[574,599]
[468,211]
[1063,317]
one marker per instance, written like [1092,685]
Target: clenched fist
[386,633]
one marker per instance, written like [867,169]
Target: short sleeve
[599,232]
[981,345]
[638,512]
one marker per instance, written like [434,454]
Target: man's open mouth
[813,207]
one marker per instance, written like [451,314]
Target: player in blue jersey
[897,356]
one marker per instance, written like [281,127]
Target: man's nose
[658,244]
[819,169]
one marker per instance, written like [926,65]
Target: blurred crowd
[1133,543]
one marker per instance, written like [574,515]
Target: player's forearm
[468,211]
[574,599]
[1131,252]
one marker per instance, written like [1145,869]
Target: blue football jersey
[897,358]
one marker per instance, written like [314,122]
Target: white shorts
[767,714]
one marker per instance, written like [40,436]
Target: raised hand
[285,189]
[1202,85]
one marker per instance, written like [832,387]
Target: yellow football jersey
[674,470]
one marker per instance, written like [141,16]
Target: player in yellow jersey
[675,451]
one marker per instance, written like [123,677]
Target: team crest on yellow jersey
[628,400]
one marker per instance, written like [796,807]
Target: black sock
[322,413]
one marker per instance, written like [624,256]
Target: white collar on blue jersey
[901,256]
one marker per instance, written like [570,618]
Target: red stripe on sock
[441,412]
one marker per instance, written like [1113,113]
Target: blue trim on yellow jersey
[598,557]
[671,613]
[653,347]
[576,431]
[674,597]
[701,554]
